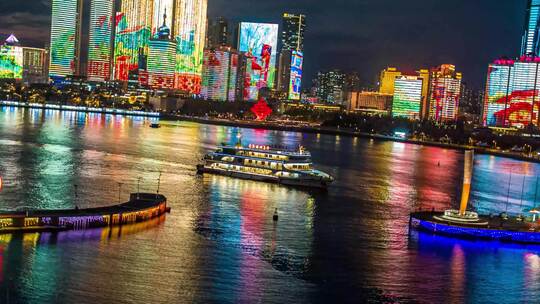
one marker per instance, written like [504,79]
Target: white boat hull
[300,182]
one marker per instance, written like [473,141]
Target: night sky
[355,35]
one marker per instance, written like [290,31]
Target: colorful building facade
[161,63]
[189,31]
[219,75]
[512,93]
[11,62]
[445,91]
[407,99]
[139,21]
[65,38]
[100,40]
[259,42]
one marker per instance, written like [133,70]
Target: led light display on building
[161,60]
[215,75]
[189,31]
[407,97]
[100,35]
[233,74]
[64,37]
[295,86]
[512,93]
[11,62]
[131,46]
[445,90]
[259,40]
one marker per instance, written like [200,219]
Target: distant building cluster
[424,94]
[26,64]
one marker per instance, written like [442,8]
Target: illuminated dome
[164,32]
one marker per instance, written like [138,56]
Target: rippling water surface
[220,244]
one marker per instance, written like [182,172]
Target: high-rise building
[284,71]
[445,90]
[531,37]
[289,79]
[331,86]
[100,40]
[139,21]
[189,31]
[425,75]
[292,33]
[23,63]
[35,65]
[161,62]
[219,74]
[218,33]
[290,74]
[65,38]
[387,80]
[471,100]
[512,93]
[11,59]
[352,82]
[407,99]
[369,102]
[259,42]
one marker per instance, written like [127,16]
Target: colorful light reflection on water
[220,243]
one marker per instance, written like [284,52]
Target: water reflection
[220,243]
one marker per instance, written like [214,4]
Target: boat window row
[302,167]
[243,169]
[261,163]
[262,155]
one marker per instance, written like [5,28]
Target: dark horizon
[363,36]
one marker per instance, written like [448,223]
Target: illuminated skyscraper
[530,41]
[189,31]
[259,42]
[219,75]
[289,78]
[133,27]
[140,20]
[331,86]
[407,97]
[292,34]
[161,57]
[445,88]
[290,74]
[512,93]
[100,40]
[11,59]
[388,79]
[65,38]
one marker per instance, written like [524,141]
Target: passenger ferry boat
[265,163]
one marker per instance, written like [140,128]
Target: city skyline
[376,41]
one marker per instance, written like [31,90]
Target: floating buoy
[275,217]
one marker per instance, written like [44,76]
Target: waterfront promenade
[50,106]
[140,207]
[317,129]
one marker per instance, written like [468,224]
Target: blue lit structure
[474,232]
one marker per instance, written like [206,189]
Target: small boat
[265,163]
[155,125]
